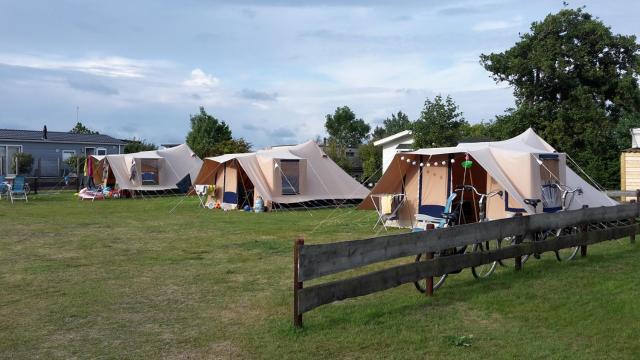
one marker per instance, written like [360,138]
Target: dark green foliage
[76,163]
[24,161]
[79,128]
[371,155]
[440,124]
[337,153]
[576,84]
[137,145]
[239,145]
[206,133]
[344,129]
[396,123]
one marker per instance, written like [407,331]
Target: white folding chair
[387,206]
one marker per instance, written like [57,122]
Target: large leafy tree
[80,128]
[344,129]
[207,134]
[440,124]
[396,123]
[576,84]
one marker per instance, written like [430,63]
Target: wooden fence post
[429,286]
[518,259]
[632,236]
[584,229]
[297,285]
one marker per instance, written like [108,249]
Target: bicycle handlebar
[473,188]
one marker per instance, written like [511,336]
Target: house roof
[394,137]
[57,136]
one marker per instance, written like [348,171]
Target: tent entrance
[467,201]
[246,189]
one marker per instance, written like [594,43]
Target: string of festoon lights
[427,164]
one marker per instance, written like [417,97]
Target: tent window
[549,175]
[149,172]
[290,177]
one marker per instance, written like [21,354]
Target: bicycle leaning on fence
[451,218]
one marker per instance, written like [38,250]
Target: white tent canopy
[148,170]
[283,175]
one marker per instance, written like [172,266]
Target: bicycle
[450,218]
[563,254]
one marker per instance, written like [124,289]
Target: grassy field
[134,279]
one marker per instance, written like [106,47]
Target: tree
[206,133]
[371,155]
[137,145]
[239,145]
[396,123]
[337,153]
[79,128]
[344,129]
[440,124]
[575,83]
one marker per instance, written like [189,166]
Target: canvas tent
[299,174]
[520,167]
[156,170]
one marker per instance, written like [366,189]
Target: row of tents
[304,175]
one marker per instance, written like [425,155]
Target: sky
[271,69]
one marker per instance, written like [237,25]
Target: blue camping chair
[18,191]
[438,221]
[4,188]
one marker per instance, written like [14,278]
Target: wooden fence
[315,261]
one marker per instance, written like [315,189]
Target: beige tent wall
[267,167]
[496,204]
[434,185]
[303,176]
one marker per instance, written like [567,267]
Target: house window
[149,174]
[290,177]
[66,154]
[89,151]
[6,157]
[101,151]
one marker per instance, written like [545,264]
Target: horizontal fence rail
[314,261]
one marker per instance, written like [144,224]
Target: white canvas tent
[518,166]
[156,170]
[299,174]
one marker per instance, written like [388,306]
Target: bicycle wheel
[506,242]
[421,285]
[484,270]
[567,254]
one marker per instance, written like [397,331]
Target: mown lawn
[134,279]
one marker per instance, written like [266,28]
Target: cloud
[250,13]
[107,66]
[91,85]
[201,79]
[493,25]
[278,136]
[467,9]
[258,95]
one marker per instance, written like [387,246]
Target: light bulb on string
[413,163]
[453,161]
[421,164]
[401,157]
[435,163]
[444,163]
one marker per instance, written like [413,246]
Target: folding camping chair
[438,222]
[18,190]
[204,192]
[387,206]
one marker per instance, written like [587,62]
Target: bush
[72,163]
[25,163]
